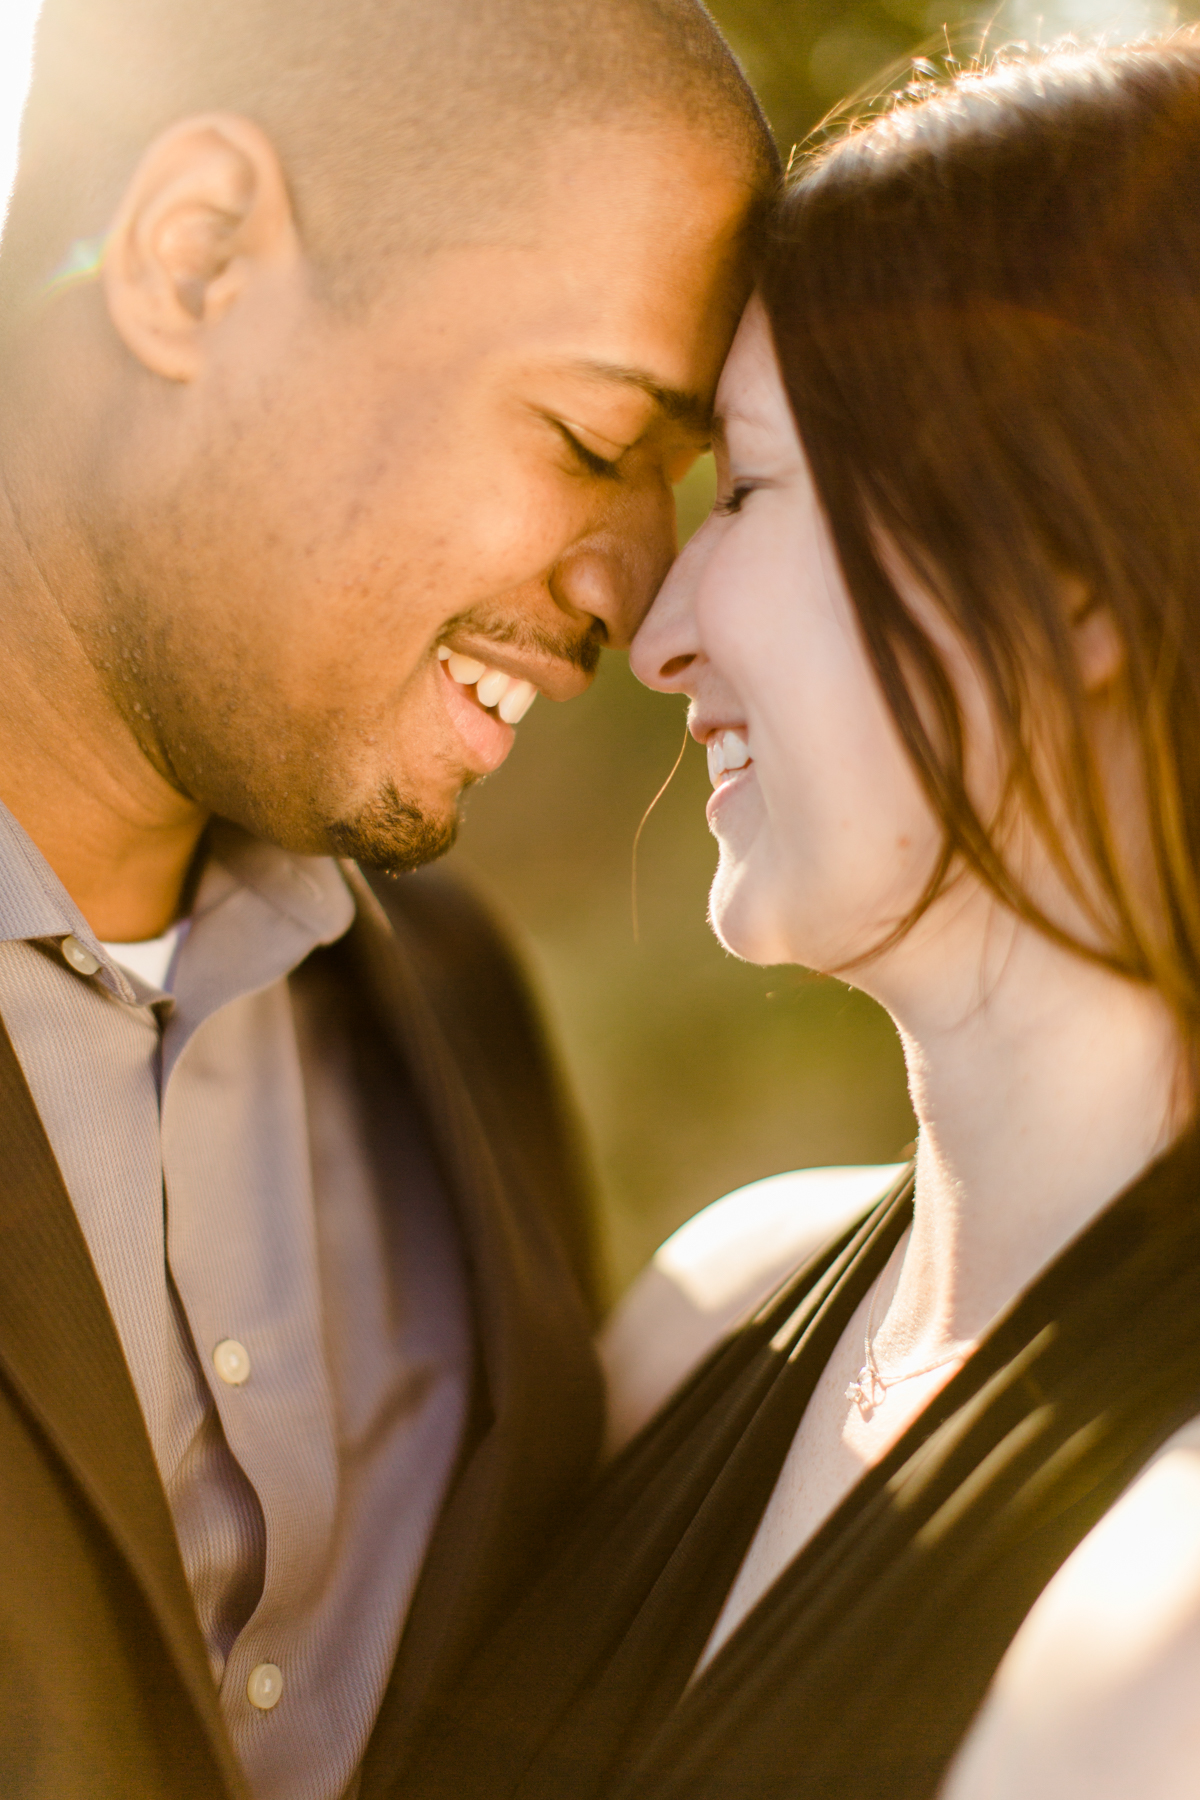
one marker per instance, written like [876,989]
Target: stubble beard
[230,775]
[393,834]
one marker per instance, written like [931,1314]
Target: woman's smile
[728,753]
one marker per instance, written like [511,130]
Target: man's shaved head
[402,125]
[348,346]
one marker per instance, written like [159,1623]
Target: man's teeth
[727,751]
[517,701]
[462,668]
[491,687]
[511,697]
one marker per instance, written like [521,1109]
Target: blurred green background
[697,1073]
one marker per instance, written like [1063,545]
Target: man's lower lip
[486,739]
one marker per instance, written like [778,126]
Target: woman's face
[826,837]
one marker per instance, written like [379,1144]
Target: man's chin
[393,834]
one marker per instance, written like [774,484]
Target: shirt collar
[308,893]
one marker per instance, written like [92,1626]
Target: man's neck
[118,836]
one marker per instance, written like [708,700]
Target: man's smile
[508,694]
[484,731]
[489,686]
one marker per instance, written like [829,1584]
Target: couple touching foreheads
[349,355]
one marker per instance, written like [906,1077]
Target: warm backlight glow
[1108,21]
[17,18]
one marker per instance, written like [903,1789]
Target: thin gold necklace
[870,1388]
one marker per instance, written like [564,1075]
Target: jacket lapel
[538,1407]
[60,1351]
[539,1401]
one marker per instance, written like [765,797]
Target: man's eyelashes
[600,466]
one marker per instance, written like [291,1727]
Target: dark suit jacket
[104,1685]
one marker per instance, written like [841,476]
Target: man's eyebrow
[674,403]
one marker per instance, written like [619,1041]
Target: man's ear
[206,210]
[1099,647]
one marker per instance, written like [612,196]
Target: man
[349,349]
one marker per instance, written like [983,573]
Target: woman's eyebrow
[744,418]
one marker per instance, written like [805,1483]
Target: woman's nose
[666,647]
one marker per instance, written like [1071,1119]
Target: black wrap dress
[857,1674]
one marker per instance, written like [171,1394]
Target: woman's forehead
[752,403]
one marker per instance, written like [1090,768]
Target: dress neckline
[858,1671]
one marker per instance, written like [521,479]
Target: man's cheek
[521,528]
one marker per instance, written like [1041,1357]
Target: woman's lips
[729,765]
[728,751]
[486,739]
[729,787]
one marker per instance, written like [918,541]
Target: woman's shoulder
[714,1271]
[1096,1697]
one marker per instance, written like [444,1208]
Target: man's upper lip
[553,676]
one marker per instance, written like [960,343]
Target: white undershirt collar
[152,959]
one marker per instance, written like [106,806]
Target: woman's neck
[1043,1084]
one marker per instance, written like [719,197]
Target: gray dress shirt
[292,1311]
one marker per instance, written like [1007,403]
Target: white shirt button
[80,959]
[231,1360]
[264,1686]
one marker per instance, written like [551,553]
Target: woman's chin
[752,919]
[738,918]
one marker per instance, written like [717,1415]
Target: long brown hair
[986,303]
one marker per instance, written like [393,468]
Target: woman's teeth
[511,697]
[727,751]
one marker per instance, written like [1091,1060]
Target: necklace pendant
[864,1391]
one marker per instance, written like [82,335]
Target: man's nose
[614,574]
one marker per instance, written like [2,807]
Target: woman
[942,641]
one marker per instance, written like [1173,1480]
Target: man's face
[482,465]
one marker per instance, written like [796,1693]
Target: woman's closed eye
[732,501]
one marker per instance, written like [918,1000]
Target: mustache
[580,648]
